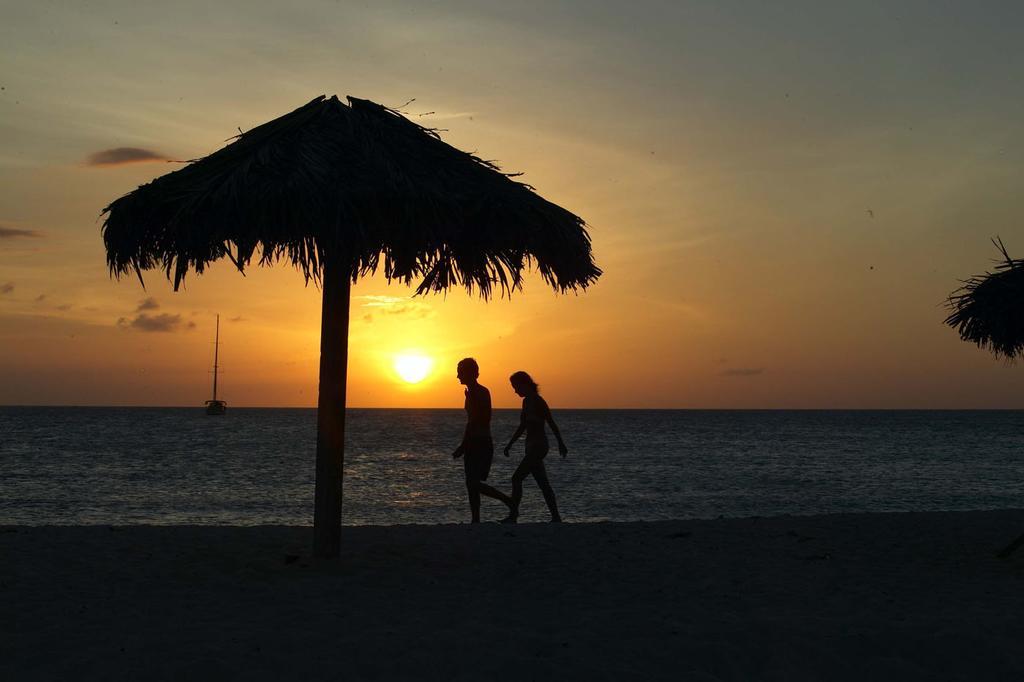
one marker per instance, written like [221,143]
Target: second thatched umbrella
[340,190]
[988,310]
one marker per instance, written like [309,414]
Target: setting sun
[413,368]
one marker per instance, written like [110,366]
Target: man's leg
[473,488]
[494,493]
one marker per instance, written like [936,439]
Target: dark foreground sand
[852,597]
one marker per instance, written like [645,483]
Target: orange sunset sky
[781,196]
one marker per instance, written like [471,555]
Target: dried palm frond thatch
[339,190]
[359,184]
[988,309]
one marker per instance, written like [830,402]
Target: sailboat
[215,406]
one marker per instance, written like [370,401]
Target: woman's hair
[524,379]
[469,364]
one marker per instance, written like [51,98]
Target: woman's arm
[562,449]
[515,436]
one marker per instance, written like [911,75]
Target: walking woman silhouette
[534,416]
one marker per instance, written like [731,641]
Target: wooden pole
[330,415]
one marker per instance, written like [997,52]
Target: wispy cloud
[6,287]
[13,233]
[119,156]
[148,304]
[164,322]
[395,305]
[742,372]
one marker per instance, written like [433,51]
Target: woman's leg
[540,475]
[520,474]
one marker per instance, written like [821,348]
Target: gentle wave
[255,466]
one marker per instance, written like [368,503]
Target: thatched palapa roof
[358,184]
[988,309]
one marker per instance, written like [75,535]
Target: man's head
[467,370]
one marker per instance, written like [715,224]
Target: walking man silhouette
[477,448]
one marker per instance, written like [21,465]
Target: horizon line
[557,409]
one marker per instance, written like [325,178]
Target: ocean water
[255,466]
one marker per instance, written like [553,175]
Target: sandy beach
[842,597]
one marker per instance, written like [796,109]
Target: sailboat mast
[216,349]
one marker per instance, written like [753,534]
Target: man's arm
[465,439]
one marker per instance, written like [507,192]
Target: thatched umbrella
[340,190]
[988,310]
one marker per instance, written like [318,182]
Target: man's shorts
[477,459]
